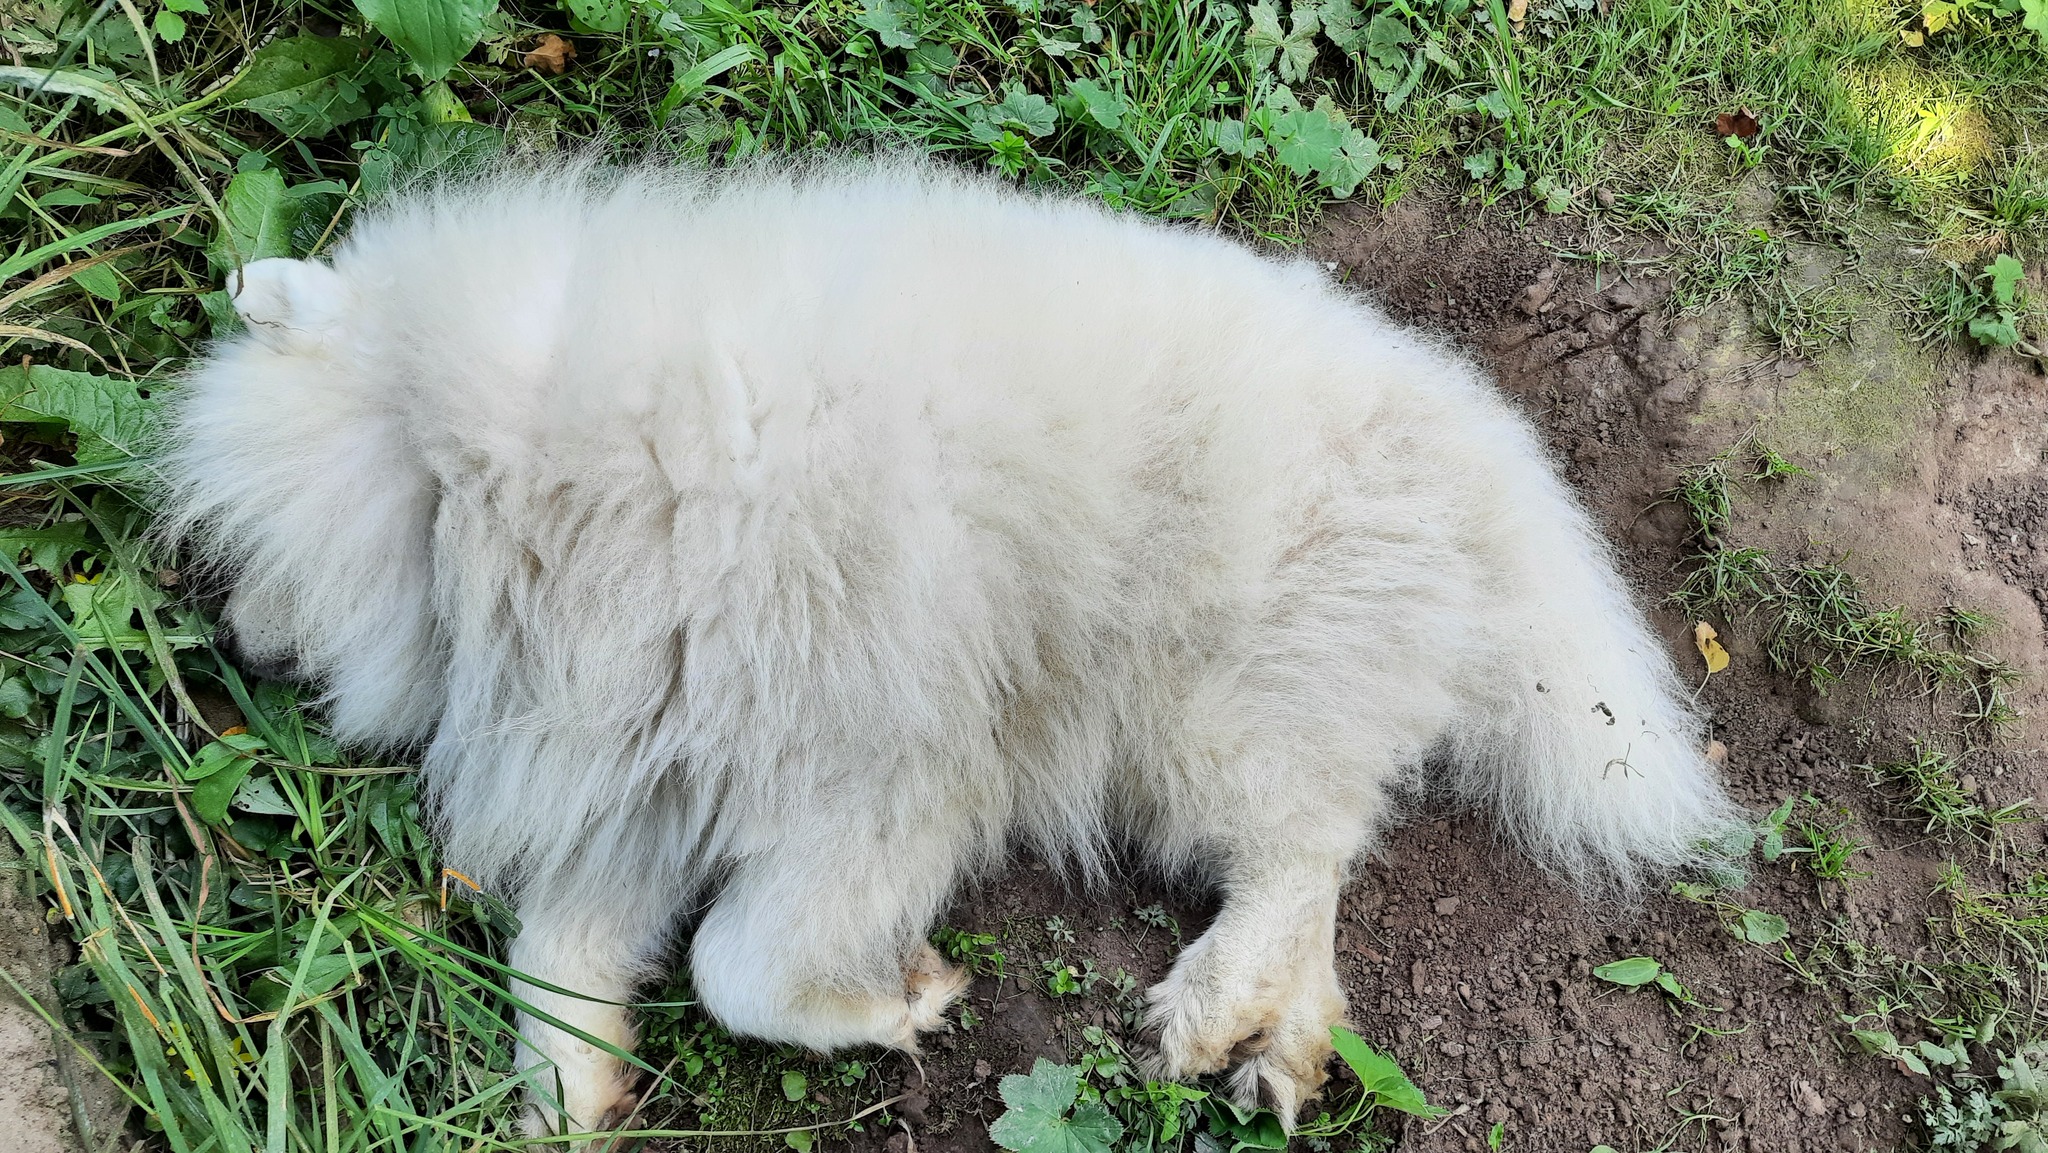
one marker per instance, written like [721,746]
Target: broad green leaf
[1092,1128]
[2035,19]
[1246,1128]
[599,15]
[1883,1042]
[1048,1088]
[1306,141]
[890,21]
[440,105]
[112,419]
[1343,24]
[2005,273]
[1942,1054]
[1433,51]
[260,795]
[1232,138]
[307,85]
[49,549]
[259,213]
[1386,50]
[1668,981]
[210,796]
[1295,50]
[416,149]
[1774,826]
[1102,106]
[2002,330]
[1037,1118]
[1392,100]
[434,34]
[1631,971]
[795,1085]
[1381,1077]
[103,610]
[1320,141]
[101,280]
[1026,110]
[217,755]
[1761,928]
[16,698]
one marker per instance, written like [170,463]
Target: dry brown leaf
[1717,752]
[1740,123]
[1703,635]
[552,55]
[1518,10]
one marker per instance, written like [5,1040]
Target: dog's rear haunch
[788,542]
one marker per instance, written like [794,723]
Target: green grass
[1973,992]
[1706,492]
[271,957]
[1814,620]
[1930,785]
[1814,834]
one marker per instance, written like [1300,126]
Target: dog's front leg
[1260,987]
[598,944]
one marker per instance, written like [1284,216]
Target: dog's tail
[1579,734]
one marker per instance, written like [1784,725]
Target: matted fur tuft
[804,534]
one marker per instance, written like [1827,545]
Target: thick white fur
[796,539]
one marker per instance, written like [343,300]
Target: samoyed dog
[772,549]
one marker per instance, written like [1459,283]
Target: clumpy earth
[50,1100]
[1926,481]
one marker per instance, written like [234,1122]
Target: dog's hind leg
[1259,988]
[595,940]
[819,940]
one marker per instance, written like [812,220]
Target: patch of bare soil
[1474,970]
[37,1079]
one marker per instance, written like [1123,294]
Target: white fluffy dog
[789,542]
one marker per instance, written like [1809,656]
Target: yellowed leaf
[1703,635]
[1937,15]
[1517,10]
[1912,37]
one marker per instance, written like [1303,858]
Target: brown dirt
[1471,968]
[38,1079]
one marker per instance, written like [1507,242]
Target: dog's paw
[295,307]
[930,984]
[1272,1024]
[596,1107]
[579,1087]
